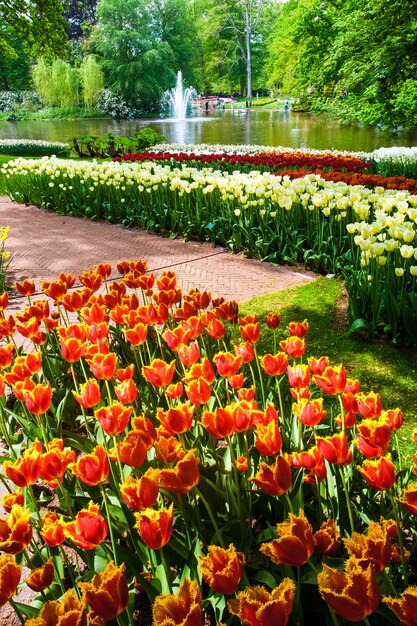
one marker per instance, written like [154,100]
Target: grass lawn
[382,367]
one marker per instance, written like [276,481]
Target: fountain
[179,98]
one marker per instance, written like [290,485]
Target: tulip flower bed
[158,465]
[366,235]
[262,162]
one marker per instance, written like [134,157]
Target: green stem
[349,508]
[213,521]
[168,584]
[112,539]
[400,537]
[17,611]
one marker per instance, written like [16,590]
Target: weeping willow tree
[92,80]
[57,84]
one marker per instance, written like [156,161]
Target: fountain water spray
[178,98]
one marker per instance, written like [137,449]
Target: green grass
[384,368]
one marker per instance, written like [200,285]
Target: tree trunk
[248,34]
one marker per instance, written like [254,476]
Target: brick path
[43,244]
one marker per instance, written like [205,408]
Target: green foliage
[142,47]
[92,79]
[366,47]
[110,146]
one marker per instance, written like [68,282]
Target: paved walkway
[43,244]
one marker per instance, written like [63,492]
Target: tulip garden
[349,214]
[169,461]
[162,469]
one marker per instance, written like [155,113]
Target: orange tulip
[54,289]
[174,391]
[299,376]
[373,437]
[103,366]
[126,391]
[369,405]
[214,327]
[7,353]
[72,349]
[168,449]
[245,351]
[198,391]
[89,394]
[27,469]
[201,299]
[52,529]
[92,280]
[155,527]
[25,288]
[309,412]
[312,460]
[177,337]
[227,311]
[55,461]
[39,399]
[241,464]
[113,418]
[394,417]
[88,530]
[137,335]
[272,320]
[92,469]
[335,449]
[298,329]
[222,569]
[178,419]
[227,363]
[183,477]
[295,544]
[255,606]
[409,499]
[373,548]
[107,593]
[15,531]
[9,578]
[404,607]
[180,609]
[188,355]
[204,370]
[9,499]
[67,612]
[352,594]
[268,438]
[274,365]
[332,380]
[42,577]
[133,448]
[326,539]
[219,423]
[250,332]
[379,474]
[159,373]
[317,366]
[293,346]
[274,479]
[141,493]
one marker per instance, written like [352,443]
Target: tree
[15,66]
[140,51]
[232,33]
[79,14]
[39,22]
[92,79]
[56,84]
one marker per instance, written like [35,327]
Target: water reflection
[264,127]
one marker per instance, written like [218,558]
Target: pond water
[263,127]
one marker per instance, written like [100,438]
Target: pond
[271,127]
